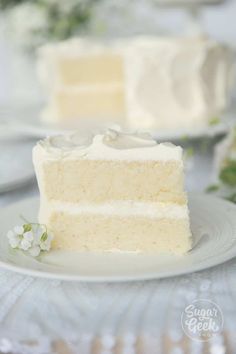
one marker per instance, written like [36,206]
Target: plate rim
[18,183]
[113,278]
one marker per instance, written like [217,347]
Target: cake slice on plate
[113,192]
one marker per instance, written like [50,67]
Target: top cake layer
[110,167]
[111,146]
[80,61]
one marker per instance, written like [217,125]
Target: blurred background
[27,25]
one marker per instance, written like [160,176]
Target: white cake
[113,192]
[140,82]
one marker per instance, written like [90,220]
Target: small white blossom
[38,234]
[29,236]
[25,244]
[27,23]
[45,242]
[32,238]
[13,238]
[18,230]
[34,251]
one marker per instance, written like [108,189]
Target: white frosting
[112,145]
[173,82]
[123,209]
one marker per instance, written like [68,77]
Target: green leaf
[214,121]
[27,227]
[184,138]
[189,152]
[44,236]
[231,198]
[228,173]
[212,188]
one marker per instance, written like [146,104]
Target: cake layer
[101,101]
[90,69]
[80,61]
[85,180]
[113,166]
[91,232]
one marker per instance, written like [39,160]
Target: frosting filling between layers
[119,208]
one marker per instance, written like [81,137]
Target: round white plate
[25,120]
[213,223]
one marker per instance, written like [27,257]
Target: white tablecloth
[43,316]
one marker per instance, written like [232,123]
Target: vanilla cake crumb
[115,191]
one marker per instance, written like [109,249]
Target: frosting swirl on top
[112,145]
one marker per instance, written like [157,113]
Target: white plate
[213,223]
[25,120]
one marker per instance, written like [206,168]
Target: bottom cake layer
[91,232]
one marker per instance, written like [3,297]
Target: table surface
[42,316]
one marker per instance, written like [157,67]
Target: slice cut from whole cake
[113,192]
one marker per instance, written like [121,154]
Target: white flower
[27,22]
[19,230]
[32,238]
[46,244]
[25,244]
[34,251]
[13,238]
[38,234]
[29,236]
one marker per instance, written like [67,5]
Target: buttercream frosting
[113,145]
[173,82]
[123,208]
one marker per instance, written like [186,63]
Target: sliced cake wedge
[113,192]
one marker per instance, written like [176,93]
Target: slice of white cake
[113,192]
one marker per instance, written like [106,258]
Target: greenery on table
[38,21]
[228,173]
[226,183]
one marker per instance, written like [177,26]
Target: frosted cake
[113,192]
[140,83]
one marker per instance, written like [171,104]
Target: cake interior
[86,232]
[97,181]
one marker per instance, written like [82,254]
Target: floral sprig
[224,183]
[31,238]
[46,20]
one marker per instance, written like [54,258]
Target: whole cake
[139,83]
[113,192]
